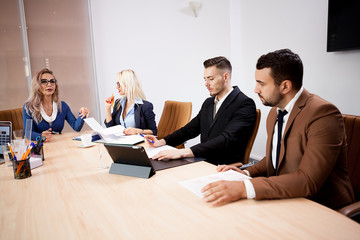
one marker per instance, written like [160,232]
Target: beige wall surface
[13,84]
[58,34]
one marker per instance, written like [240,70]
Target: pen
[149,140]
[111,101]
[28,150]
[12,152]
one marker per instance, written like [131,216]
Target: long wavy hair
[32,105]
[128,81]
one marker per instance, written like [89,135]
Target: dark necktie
[280,121]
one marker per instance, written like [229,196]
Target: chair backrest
[352,128]
[252,137]
[174,116]
[13,115]
[251,140]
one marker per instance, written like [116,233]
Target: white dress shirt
[217,103]
[250,191]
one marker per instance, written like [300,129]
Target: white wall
[163,42]
[166,46]
[261,26]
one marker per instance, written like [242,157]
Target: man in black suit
[224,122]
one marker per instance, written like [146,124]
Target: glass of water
[103,156]
[18,134]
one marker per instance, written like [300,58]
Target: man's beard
[273,100]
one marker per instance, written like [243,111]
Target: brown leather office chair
[174,116]
[13,115]
[352,127]
[251,140]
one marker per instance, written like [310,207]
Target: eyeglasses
[45,82]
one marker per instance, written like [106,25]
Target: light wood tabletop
[72,197]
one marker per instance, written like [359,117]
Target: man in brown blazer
[306,145]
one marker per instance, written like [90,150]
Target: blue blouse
[144,115]
[129,120]
[57,125]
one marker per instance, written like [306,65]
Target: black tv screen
[343,25]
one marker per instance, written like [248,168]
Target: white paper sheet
[127,140]
[93,124]
[195,185]
[153,151]
[107,134]
[117,130]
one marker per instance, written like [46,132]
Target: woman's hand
[132,131]
[47,134]
[109,103]
[84,112]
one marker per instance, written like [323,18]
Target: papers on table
[195,185]
[111,132]
[123,140]
[114,134]
[153,151]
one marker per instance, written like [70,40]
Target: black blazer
[223,138]
[144,116]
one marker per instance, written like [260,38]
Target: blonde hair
[130,83]
[32,105]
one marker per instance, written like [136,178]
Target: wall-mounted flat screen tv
[343,25]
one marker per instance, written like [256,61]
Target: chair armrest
[350,209]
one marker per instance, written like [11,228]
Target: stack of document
[114,134]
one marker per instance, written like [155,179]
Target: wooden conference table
[71,197]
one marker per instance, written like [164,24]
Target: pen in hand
[149,140]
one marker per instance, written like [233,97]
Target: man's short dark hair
[220,62]
[284,65]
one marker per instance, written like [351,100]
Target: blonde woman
[45,108]
[130,110]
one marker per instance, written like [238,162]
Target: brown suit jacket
[312,161]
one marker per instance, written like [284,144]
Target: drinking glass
[19,147]
[103,157]
[18,134]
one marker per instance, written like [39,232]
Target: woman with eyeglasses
[131,110]
[46,110]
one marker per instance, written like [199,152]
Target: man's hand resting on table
[167,154]
[173,154]
[222,192]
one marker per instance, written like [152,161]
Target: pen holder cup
[38,151]
[22,168]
